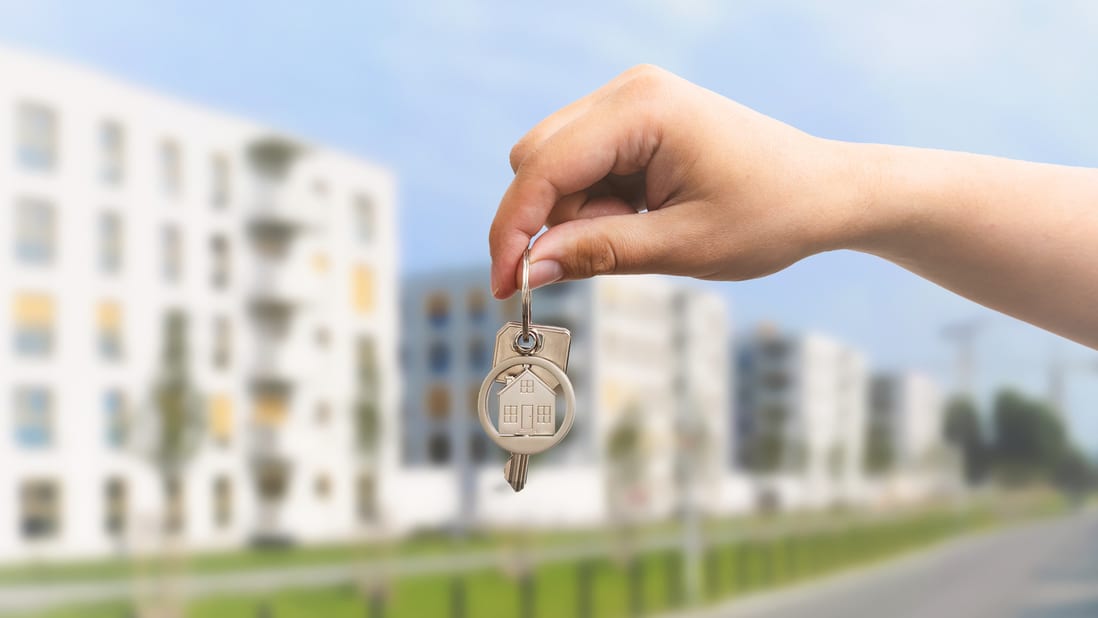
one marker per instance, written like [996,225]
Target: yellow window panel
[221,417]
[270,410]
[31,308]
[320,263]
[363,286]
[109,315]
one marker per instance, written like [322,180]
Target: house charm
[527,406]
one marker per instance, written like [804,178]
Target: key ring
[528,341]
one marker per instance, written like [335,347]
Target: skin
[653,174]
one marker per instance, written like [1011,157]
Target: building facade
[154,252]
[800,418]
[649,366]
[906,419]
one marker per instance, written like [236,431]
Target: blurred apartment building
[906,453]
[143,234]
[800,418]
[649,363]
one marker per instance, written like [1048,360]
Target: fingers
[609,138]
[583,206]
[614,244]
[560,118]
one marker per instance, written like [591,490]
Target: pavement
[1047,569]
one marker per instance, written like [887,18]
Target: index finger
[606,139]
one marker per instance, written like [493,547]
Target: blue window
[33,409]
[478,354]
[438,309]
[36,137]
[438,357]
[33,340]
[114,412]
[34,231]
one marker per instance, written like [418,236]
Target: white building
[274,258]
[647,353]
[907,408]
[906,450]
[800,421]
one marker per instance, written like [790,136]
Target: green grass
[728,569]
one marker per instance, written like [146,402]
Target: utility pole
[962,333]
[1058,370]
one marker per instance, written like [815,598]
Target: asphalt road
[1042,570]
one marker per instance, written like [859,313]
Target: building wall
[317,276]
[641,346]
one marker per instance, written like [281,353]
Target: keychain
[530,361]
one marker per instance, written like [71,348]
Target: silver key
[530,361]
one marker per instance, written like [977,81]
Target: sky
[439,91]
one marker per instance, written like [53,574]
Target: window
[363,285]
[438,309]
[478,447]
[109,319]
[322,487]
[223,502]
[477,305]
[220,181]
[114,413]
[110,242]
[323,337]
[366,498]
[221,257]
[172,254]
[510,414]
[40,509]
[526,386]
[33,417]
[364,219]
[36,137]
[112,152]
[438,357]
[222,342]
[221,418]
[171,168]
[478,354]
[438,402]
[270,409]
[543,414]
[323,413]
[438,449]
[33,324]
[175,506]
[116,499]
[34,231]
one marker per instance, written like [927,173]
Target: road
[1043,570]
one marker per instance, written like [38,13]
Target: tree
[1029,439]
[1075,474]
[880,452]
[962,430]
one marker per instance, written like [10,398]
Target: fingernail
[545,272]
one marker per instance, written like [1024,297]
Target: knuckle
[594,255]
[518,153]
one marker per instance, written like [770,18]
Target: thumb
[614,244]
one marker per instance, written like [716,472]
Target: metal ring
[527,445]
[526,296]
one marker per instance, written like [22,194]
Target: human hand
[653,174]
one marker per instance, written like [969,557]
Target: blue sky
[439,92]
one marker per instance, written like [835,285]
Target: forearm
[1019,237]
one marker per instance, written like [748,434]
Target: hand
[652,174]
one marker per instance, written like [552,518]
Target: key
[515,470]
[530,361]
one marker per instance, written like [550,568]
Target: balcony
[279,363]
[276,208]
[281,281]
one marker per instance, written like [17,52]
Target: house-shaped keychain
[527,407]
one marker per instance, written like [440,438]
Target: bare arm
[653,174]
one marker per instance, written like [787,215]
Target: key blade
[515,471]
